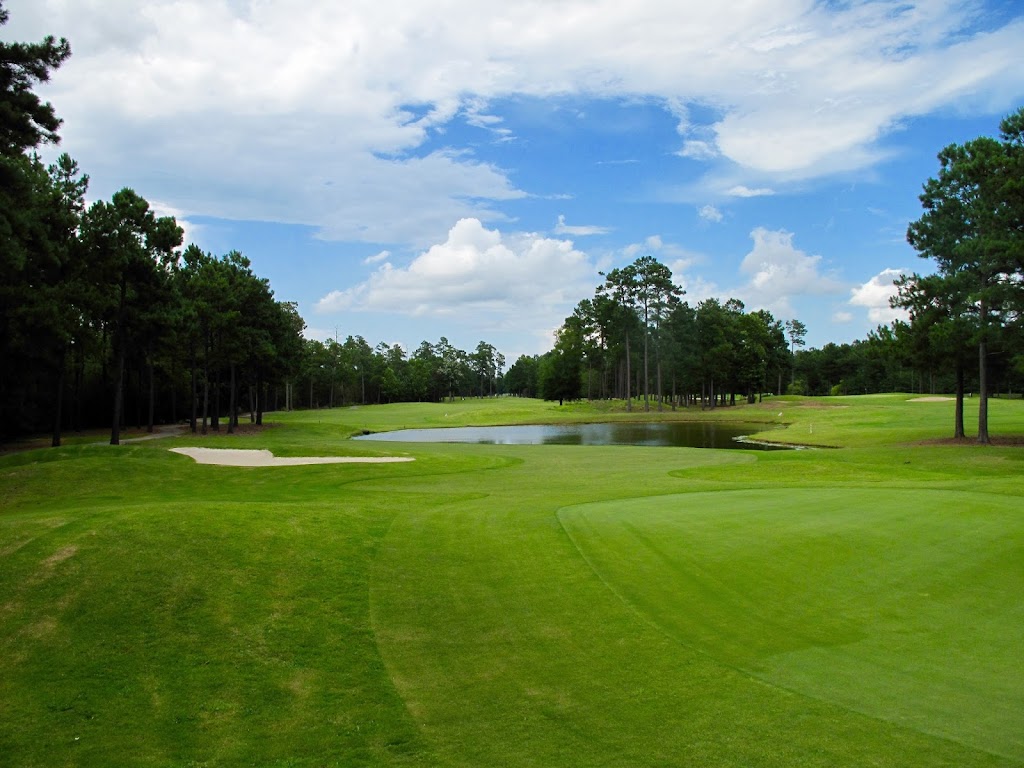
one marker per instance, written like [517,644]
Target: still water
[690,434]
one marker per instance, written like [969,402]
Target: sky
[408,170]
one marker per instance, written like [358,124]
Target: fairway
[519,605]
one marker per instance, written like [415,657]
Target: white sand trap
[237,457]
[930,399]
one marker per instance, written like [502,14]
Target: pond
[679,434]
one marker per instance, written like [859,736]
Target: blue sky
[409,170]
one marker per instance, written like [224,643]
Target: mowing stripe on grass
[904,605]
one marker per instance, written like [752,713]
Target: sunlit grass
[520,605]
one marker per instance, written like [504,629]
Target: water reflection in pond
[685,434]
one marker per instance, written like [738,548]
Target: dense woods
[105,320]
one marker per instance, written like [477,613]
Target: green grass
[521,605]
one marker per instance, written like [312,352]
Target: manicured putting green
[903,605]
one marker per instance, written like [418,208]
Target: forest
[108,321]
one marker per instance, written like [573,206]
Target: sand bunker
[930,399]
[235,457]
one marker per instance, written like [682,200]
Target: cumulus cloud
[305,114]
[874,296]
[778,272]
[578,230]
[477,271]
[710,213]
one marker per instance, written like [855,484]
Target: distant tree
[681,354]
[424,380]
[971,227]
[452,366]
[560,369]
[34,239]
[752,354]
[796,331]
[656,293]
[941,328]
[131,252]
[620,289]
[715,338]
[521,379]
[27,121]
[485,367]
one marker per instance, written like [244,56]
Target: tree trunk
[983,374]
[195,395]
[261,398]
[232,415]
[152,398]
[629,399]
[657,358]
[138,396]
[76,397]
[983,392]
[206,396]
[215,414]
[115,427]
[958,414]
[58,398]
[647,376]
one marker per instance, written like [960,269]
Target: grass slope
[520,605]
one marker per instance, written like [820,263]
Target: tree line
[334,373]
[637,340]
[105,320]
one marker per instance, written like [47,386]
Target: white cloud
[679,260]
[579,230]
[672,255]
[743,191]
[710,213]
[874,296]
[192,231]
[699,150]
[377,258]
[250,110]
[779,272]
[842,317]
[696,288]
[479,274]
